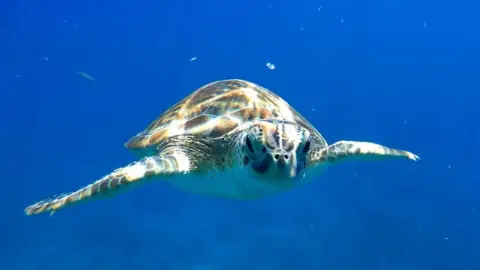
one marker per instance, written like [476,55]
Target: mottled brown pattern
[224,125]
[232,100]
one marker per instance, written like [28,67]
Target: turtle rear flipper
[343,150]
[120,179]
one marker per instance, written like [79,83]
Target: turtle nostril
[277,156]
[286,156]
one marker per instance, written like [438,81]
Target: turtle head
[275,150]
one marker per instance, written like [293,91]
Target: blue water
[400,73]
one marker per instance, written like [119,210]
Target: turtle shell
[216,109]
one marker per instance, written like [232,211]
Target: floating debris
[270,66]
[193,58]
[86,76]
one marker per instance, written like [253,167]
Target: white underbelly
[237,184]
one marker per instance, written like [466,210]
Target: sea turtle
[230,138]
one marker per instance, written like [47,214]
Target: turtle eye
[249,144]
[307,146]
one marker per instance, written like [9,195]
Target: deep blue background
[400,73]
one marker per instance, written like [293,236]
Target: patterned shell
[215,109]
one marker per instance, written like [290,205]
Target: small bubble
[270,66]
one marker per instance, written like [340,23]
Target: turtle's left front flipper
[120,179]
[344,150]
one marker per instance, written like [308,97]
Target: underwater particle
[86,76]
[341,20]
[301,29]
[445,238]
[46,58]
[320,8]
[270,66]
[425,25]
[193,58]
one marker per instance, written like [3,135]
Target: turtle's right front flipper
[122,178]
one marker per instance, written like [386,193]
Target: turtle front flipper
[120,179]
[344,150]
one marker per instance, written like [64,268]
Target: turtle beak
[292,166]
[277,165]
[287,163]
[293,171]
